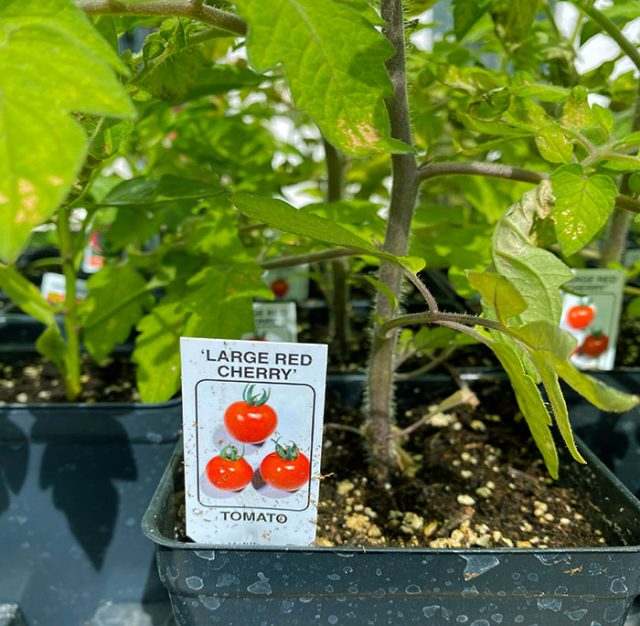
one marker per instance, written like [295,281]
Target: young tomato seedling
[229,470]
[286,468]
[251,420]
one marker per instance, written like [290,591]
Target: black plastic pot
[479,587]
[613,437]
[74,482]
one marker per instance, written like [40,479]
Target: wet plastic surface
[74,482]
[480,587]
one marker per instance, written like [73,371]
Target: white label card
[274,321]
[54,288]
[289,283]
[592,315]
[252,418]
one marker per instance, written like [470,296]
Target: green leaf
[554,145]
[513,19]
[52,64]
[543,336]
[630,140]
[600,395]
[498,293]
[633,308]
[285,217]
[52,346]
[535,273]
[530,402]
[334,60]
[466,14]
[542,92]
[25,295]
[157,352]
[118,297]
[554,392]
[582,207]
[576,113]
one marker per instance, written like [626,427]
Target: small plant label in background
[252,416]
[591,313]
[274,321]
[53,288]
[289,283]
[92,258]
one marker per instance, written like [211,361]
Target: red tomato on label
[286,468]
[280,287]
[580,316]
[229,470]
[594,345]
[251,420]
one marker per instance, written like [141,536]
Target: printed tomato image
[251,420]
[286,468]
[594,345]
[229,470]
[580,316]
[279,287]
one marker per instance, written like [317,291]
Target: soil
[477,481]
[36,380]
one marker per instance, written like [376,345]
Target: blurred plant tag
[591,313]
[252,418]
[289,283]
[54,291]
[92,258]
[274,321]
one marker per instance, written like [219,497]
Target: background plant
[497,106]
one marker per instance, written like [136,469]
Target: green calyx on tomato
[230,453]
[288,453]
[255,399]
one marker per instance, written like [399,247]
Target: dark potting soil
[36,380]
[476,481]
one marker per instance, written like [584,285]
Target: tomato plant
[229,470]
[594,345]
[580,316]
[280,287]
[251,420]
[287,468]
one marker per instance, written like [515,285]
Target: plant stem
[404,191]
[435,317]
[611,29]
[340,326]
[168,8]
[70,312]
[495,170]
[616,239]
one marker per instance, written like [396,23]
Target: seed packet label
[53,288]
[289,283]
[591,313]
[274,321]
[252,418]
[632,258]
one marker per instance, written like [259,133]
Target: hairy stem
[168,8]
[311,257]
[340,326]
[70,311]
[496,170]
[616,239]
[403,198]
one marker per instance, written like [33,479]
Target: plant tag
[92,259]
[54,291]
[274,321]
[289,283]
[252,418]
[591,313]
